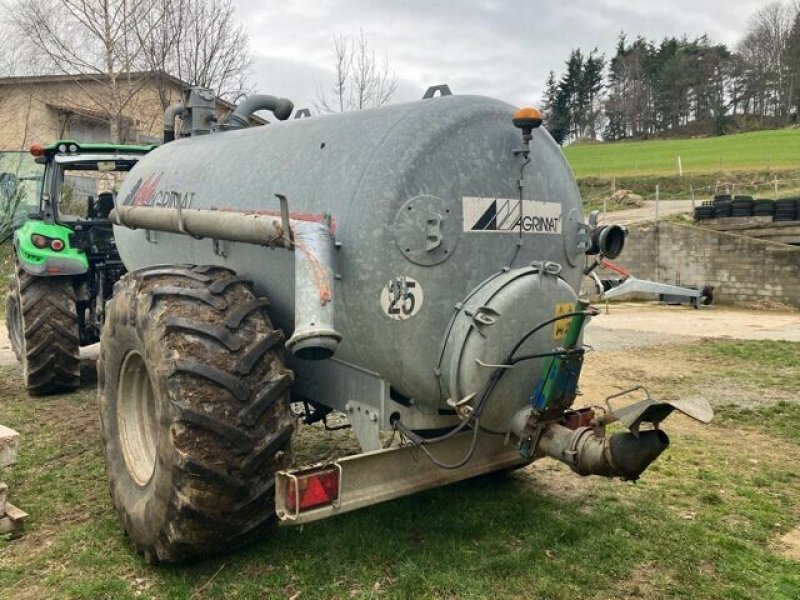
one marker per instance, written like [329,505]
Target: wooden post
[691,194]
[776,187]
[680,166]
[658,197]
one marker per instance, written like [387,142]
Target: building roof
[79,110]
[66,78]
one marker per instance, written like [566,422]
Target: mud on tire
[42,324]
[194,411]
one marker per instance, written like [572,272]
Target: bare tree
[793,62]
[92,38]
[361,80]
[199,42]
[765,50]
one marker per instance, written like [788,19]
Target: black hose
[525,357]
[525,338]
[463,461]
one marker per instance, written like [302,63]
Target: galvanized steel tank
[424,199]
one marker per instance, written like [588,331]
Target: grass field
[760,150]
[705,522]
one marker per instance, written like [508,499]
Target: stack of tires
[742,206]
[763,207]
[786,209]
[704,212]
[723,206]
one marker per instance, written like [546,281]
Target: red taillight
[57,245]
[312,489]
[39,240]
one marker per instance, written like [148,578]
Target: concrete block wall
[742,269]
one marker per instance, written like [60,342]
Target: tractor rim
[136,419]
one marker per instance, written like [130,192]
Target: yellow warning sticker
[561,326]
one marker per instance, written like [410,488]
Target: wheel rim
[136,418]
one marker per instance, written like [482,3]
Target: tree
[94,38]
[793,64]
[555,105]
[614,106]
[590,92]
[199,42]
[360,79]
[555,110]
[766,50]
[108,45]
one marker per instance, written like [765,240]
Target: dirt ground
[614,364]
[648,211]
[631,325]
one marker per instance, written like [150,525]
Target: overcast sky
[498,48]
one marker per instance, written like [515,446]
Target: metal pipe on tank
[173,111]
[240,117]
[314,336]
[262,230]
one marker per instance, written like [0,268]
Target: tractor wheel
[194,411]
[14,325]
[42,324]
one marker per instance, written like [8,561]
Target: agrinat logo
[504,215]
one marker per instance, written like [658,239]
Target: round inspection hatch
[426,230]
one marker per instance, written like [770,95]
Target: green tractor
[65,256]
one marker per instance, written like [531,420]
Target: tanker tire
[42,323]
[194,411]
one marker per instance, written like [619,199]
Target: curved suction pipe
[240,117]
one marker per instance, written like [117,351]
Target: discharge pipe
[314,337]
[607,240]
[240,117]
[620,455]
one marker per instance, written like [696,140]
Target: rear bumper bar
[375,477]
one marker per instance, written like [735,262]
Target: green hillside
[759,150]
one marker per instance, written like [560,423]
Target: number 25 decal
[401,298]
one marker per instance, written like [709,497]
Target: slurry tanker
[414,267]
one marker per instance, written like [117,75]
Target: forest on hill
[681,86]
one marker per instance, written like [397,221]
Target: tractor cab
[80,180]
[21,178]
[68,227]
[58,212]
